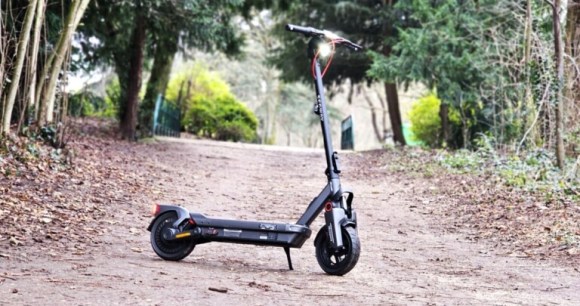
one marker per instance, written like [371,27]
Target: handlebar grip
[308,31]
[353,46]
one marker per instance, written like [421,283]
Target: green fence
[166,119]
[347,134]
[410,137]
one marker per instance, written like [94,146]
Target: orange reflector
[181,235]
[155,210]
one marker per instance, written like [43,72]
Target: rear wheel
[341,262]
[169,249]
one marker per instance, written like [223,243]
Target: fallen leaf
[15,242]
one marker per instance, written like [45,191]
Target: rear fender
[182,214]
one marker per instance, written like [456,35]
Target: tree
[157,27]
[206,28]
[52,68]
[572,74]
[559,69]
[20,54]
[500,64]
[445,49]
[23,85]
[365,22]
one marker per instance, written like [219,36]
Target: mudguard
[182,214]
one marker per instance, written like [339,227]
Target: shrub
[223,118]
[89,104]
[84,104]
[425,120]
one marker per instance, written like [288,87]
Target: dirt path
[406,258]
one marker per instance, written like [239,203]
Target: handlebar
[309,31]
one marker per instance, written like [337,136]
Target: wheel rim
[334,260]
[167,246]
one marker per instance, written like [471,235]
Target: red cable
[313,63]
[333,42]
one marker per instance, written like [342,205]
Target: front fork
[337,215]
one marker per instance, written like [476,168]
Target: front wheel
[173,250]
[341,262]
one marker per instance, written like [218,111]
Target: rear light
[155,210]
[328,206]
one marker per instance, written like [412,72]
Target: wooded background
[505,74]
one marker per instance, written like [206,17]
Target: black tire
[342,263]
[169,250]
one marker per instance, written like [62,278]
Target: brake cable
[333,44]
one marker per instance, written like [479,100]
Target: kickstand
[287,250]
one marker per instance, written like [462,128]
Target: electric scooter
[175,231]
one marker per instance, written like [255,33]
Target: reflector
[155,210]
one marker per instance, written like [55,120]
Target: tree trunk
[157,84]
[384,113]
[528,103]
[380,137]
[20,55]
[73,19]
[395,113]
[391,90]
[40,10]
[2,65]
[572,90]
[445,127]
[464,126]
[560,103]
[128,122]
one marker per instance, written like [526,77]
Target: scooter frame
[333,199]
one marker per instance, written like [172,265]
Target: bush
[223,118]
[85,104]
[425,120]
[89,104]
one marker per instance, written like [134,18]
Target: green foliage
[107,37]
[88,104]
[222,118]
[448,45]
[425,120]
[195,83]
[113,96]
[209,107]
[533,171]
[369,23]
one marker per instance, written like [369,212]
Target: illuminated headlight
[324,50]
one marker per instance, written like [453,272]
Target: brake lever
[352,45]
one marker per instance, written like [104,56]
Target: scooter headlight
[324,49]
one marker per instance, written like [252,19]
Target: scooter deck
[249,232]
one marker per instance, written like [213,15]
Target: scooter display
[175,231]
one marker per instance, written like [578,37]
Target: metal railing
[166,119]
